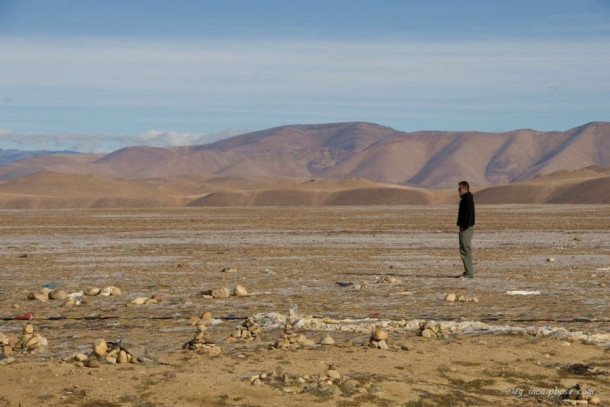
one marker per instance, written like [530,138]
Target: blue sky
[99,75]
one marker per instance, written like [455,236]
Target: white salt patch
[521,292]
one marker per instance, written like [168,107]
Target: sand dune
[58,190]
[589,185]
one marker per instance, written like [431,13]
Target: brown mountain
[431,159]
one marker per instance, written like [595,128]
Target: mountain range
[430,159]
[326,164]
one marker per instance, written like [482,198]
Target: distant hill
[56,190]
[12,155]
[430,159]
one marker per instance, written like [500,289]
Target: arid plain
[341,271]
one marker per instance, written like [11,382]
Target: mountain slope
[432,159]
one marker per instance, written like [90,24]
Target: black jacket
[466,211]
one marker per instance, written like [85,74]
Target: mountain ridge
[429,159]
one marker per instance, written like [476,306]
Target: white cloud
[100,143]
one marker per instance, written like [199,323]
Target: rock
[193,321]
[100,347]
[92,291]
[427,333]
[282,343]
[139,352]
[461,298]
[7,361]
[32,342]
[382,345]
[115,291]
[550,260]
[380,334]
[387,280]
[350,386]
[40,297]
[28,329]
[45,291]
[595,400]
[450,297]
[80,357]
[206,315]
[240,291]
[58,294]
[139,300]
[221,292]
[333,374]
[229,269]
[93,363]
[70,302]
[150,301]
[106,291]
[327,340]
[122,357]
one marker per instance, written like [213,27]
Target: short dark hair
[465,185]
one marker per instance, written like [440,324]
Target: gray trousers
[466,250]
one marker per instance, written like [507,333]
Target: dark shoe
[464,275]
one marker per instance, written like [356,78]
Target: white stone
[240,291]
[327,340]
[221,292]
[380,334]
[139,300]
[58,294]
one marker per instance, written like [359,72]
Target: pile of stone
[291,339]
[200,343]
[117,352]
[452,297]
[248,331]
[224,292]
[30,342]
[154,299]
[379,338]
[579,396]
[7,343]
[430,329]
[329,383]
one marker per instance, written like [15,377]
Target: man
[465,222]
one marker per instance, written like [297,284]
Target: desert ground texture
[532,324]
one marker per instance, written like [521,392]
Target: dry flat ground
[530,347]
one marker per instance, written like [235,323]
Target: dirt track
[314,258]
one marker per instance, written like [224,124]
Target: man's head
[463,187]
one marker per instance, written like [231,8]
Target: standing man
[465,222]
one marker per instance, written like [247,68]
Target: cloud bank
[117,86]
[104,143]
